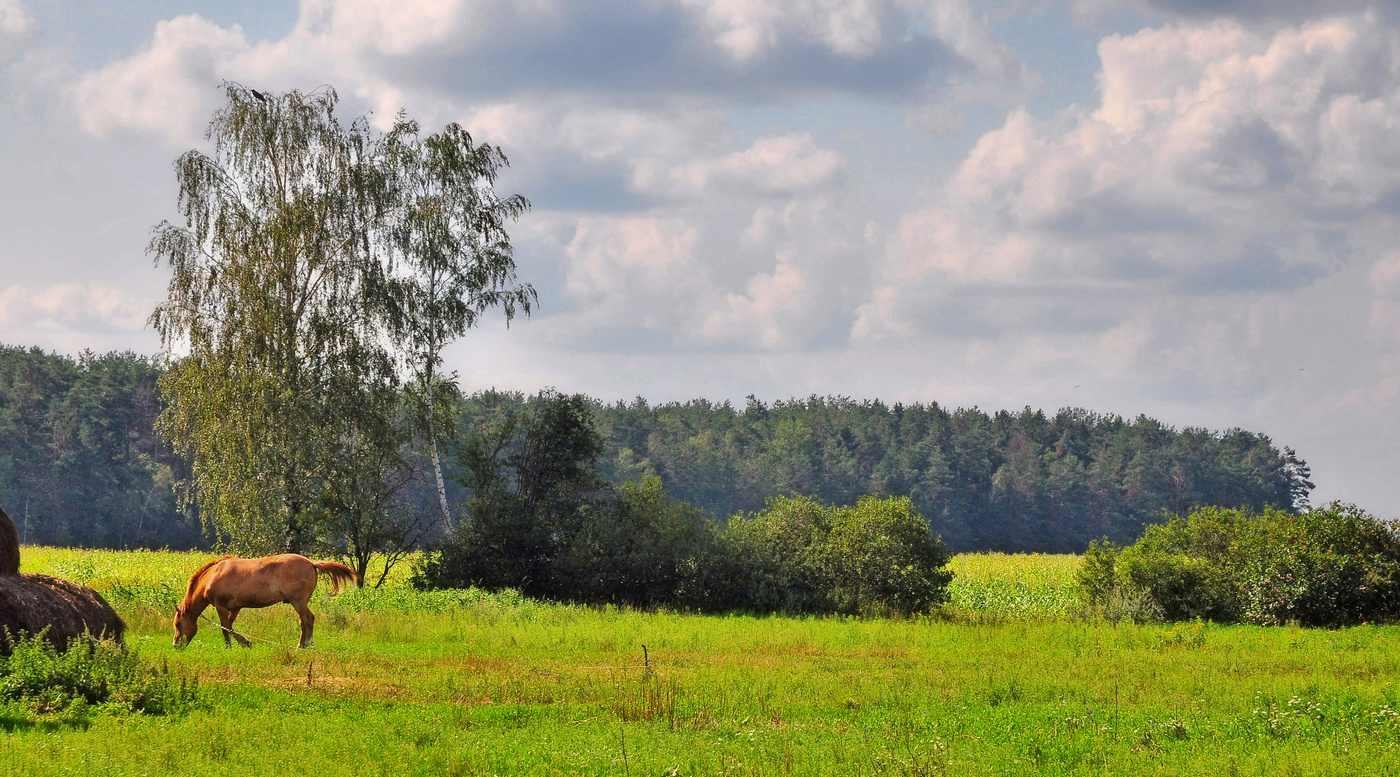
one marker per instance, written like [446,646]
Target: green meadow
[1006,680]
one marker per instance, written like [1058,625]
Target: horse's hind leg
[308,624]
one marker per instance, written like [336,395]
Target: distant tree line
[80,463]
[1023,481]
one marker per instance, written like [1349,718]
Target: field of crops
[1007,681]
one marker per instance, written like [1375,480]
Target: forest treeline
[80,461]
[1023,481]
[81,464]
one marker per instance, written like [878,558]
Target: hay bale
[30,604]
[9,546]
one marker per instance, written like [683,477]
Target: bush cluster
[800,555]
[1328,566]
[543,520]
[90,675]
[643,548]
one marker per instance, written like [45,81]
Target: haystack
[30,604]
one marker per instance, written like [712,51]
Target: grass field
[1005,682]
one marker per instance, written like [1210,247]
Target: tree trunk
[441,489]
[433,451]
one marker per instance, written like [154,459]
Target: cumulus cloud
[655,52]
[618,120]
[782,165]
[1219,159]
[166,88]
[1258,9]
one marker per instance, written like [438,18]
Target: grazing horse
[230,584]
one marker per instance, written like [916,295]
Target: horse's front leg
[242,640]
[308,624]
[225,624]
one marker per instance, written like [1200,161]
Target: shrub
[644,549]
[1096,575]
[1185,566]
[1330,566]
[777,556]
[90,674]
[800,555]
[881,557]
[637,546]
[503,543]
[634,546]
[1327,566]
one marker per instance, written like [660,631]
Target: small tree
[642,548]
[532,491]
[881,558]
[366,507]
[453,262]
[318,264]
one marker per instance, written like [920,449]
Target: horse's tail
[338,573]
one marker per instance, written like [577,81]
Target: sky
[1186,209]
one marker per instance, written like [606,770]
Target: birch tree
[452,262]
[275,308]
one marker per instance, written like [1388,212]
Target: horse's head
[185,626]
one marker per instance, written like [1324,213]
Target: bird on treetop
[259,95]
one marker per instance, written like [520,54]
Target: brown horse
[230,584]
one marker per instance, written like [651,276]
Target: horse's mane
[194,579]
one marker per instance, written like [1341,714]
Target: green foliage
[320,265]
[642,549]
[275,298]
[80,462]
[91,674]
[1095,575]
[778,557]
[799,555]
[1008,481]
[881,557]
[1324,567]
[452,261]
[1327,566]
[543,520]
[535,487]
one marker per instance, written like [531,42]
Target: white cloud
[87,308]
[167,88]
[1216,161]
[750,28]
[616,262]
[769,313]
[785,164]
[401,28]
